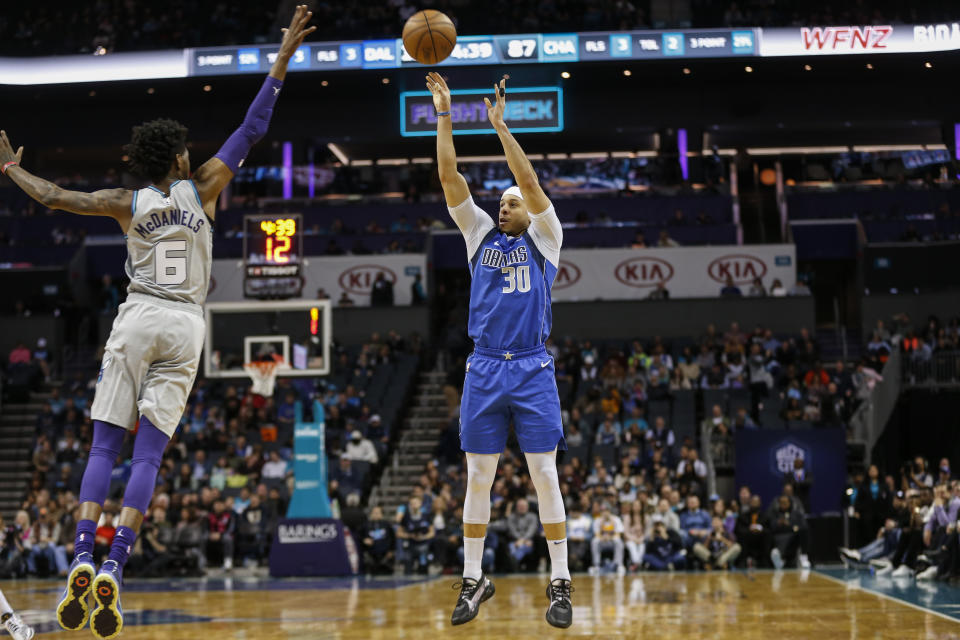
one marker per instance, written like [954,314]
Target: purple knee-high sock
[107,440]
[147,453]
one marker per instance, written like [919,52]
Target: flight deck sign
[529,109]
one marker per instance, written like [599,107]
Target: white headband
[512,191]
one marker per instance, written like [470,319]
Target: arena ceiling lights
[532,48]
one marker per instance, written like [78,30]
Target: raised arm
[216,172]
[455,188]
[471,220]
[523,173]
[114,203]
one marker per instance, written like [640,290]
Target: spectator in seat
[415,533]
[694,522]
[379,542]
[522,527]
[660,292]
[360,449]
[381,295]
[756,289]
[777,290]
[607,434]
[752,532]
[790,536]
[818,373]
[665,241]
[664,550]
[669,517]
[661,434]
[579,532]
[730,290]
[639,241]
[799,289]
[742,420]
[347,479]
[719,549]
[221,527]
[607,537]
[275,468]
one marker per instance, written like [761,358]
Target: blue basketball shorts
[501,386]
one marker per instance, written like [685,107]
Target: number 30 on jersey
[516,278]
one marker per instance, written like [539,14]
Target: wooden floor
[733,606]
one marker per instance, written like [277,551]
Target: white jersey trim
[547,234]
[474,224]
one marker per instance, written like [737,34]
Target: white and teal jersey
[170,244]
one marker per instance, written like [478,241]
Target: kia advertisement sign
[852,39]
[359,280]
[644,271]
[337,275]
[686,272]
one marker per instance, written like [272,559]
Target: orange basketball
[429,36]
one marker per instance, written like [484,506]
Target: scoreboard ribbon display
[493,50]
[529,109]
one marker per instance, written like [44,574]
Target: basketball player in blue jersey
[151,357]
[510,375]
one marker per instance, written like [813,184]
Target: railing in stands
[870,419]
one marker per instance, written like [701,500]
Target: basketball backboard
[299,331]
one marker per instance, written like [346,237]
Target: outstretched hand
[6,150]
[441,92]
[495,110]
[294,34]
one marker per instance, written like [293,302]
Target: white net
[264,374]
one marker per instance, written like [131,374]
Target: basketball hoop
[264,373]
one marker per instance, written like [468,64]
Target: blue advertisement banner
[765,456]
[529,109]
[310,498]
[313,547]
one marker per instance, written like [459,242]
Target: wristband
[443,113]
[12,163]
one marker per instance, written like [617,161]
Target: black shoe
[472,594]
[560,611]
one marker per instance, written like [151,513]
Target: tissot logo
[306,533]
[568,274]
[846,38]
[643,272]
[741,267]
[359,280]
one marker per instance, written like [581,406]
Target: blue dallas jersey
[511,278]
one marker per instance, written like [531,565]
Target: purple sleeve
[234,151]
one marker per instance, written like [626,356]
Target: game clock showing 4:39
[272,255]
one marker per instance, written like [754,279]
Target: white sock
[558,559]
[473,558]
[4,605]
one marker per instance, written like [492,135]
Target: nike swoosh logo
[543,364]
[558,542]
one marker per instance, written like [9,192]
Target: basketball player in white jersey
[151,357]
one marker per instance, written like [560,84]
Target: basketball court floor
[820,605]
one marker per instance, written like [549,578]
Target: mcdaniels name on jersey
[493,258]
[171,216]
